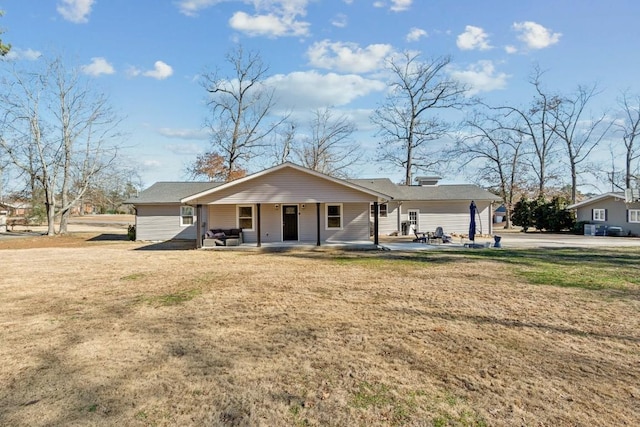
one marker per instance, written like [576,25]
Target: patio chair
[440,234]
[420,237]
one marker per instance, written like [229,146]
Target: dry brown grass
[106,333]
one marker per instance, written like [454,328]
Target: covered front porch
[288,203]
[287,224]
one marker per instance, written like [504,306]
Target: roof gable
[260,178]
[596,199]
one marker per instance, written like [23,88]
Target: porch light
[302,206]
[277,206]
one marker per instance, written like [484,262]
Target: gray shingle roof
[173,192]
[428,192]
[170,192]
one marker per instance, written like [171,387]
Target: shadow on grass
[107,237]
[515,323]
[169,245]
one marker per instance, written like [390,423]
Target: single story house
[610,210]
[291,203]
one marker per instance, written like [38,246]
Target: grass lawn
[96,332]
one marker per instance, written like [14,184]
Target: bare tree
[580,136]
[112,187]
[407,121]
[536,124]
[629,127]
[328,148]
[496,153]
[281,146]
[57,131]
[239,108]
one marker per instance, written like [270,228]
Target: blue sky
[147,55]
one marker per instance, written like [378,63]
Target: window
[186,215]
[245,217]
[599,214]
[334,217]
[634,215]
[382,208]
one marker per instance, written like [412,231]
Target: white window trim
[381,215]
[193,216]
[326,216]
[637,215]
[417,225]
[603,213]
[253,217]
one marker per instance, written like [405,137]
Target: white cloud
[311,90]
[416,34]
[97,67]
[510,49]
[270,25]
[348,57]
[152,163]
[192,7]
[481,77]
[197,134]
[189,149]
[400,5]
[160,71]
[16,54]
[534,35]
[340,20]
[473,38]
[272,18]
[75,10]
[378,4]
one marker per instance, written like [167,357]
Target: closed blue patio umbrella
[472,223]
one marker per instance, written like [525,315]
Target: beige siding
[389,224]
[452,216]
[161,222]
[616,214]
[355,222]
[286,186]
[271,219]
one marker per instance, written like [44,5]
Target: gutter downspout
[376,223]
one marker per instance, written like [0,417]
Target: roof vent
[427,180]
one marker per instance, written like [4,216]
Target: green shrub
[131,232]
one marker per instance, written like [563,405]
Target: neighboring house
[610,210]
[429,205]
[17,208]
[292,203]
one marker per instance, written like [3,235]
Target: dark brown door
[289,222]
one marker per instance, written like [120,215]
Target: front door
[290,222]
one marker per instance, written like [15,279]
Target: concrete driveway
[548,240]
[515,239]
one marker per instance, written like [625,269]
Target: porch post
[376,223]
[258,225]
[198,226]
[491,218]
[318,223]
[399,218]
